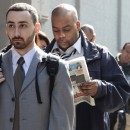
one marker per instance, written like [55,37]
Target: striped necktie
[64,55]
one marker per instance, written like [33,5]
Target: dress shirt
[27,57]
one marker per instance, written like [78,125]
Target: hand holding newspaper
[79,73]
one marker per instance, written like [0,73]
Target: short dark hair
[125,45]
[42,36]
[24,7]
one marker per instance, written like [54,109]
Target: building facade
[109,18]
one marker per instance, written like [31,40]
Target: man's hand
[89,88]
[2,78]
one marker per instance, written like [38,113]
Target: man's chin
[18,47]
[63,48]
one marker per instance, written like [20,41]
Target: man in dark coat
[107,86]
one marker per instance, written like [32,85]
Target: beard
[21,43]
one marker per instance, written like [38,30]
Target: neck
[22,52]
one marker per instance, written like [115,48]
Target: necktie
[64,56]
[18,81]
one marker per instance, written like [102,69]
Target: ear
[37,27]
[94,38]
[78,25]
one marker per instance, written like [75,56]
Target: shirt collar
[76,45]
[27,57]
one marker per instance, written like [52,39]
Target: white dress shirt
[27,57]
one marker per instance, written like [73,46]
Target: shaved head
[65,9]
[65,25]
[89,31]
[88,28]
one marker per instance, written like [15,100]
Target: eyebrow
[63,27]
[18,22]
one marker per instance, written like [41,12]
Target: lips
[62,43]
[17,40]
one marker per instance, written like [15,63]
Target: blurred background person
[89,31]
[91,34]
[123,58]
[42,39]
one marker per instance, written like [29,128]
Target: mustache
[61,41]
[17,38]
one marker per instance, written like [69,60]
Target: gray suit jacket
[34,116]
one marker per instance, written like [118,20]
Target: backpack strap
[52,64]
[5,49]
[1,62]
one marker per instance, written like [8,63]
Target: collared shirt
[76,45]
[27,57]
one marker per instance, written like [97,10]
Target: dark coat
[113,89]
[126,69]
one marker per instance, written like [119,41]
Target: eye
[23,26]
[67,29]
[10,26]
[55,30]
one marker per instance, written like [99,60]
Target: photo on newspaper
[78,74]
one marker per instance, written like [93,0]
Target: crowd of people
[123,58]
[25,99]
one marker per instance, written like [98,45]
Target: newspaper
[78,74]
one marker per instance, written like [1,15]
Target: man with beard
[21,106]
[107,86]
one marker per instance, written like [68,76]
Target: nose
[16,32]
[62,34]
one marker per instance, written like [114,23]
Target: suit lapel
[8,70]
[31,74]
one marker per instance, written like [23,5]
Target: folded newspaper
[79,73]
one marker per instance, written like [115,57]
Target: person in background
[108,85]
[90,32]
[123,58]
[42,40]
[22,106]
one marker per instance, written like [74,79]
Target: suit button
[13,99]
[11,119]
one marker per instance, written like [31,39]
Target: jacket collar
[91,51]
